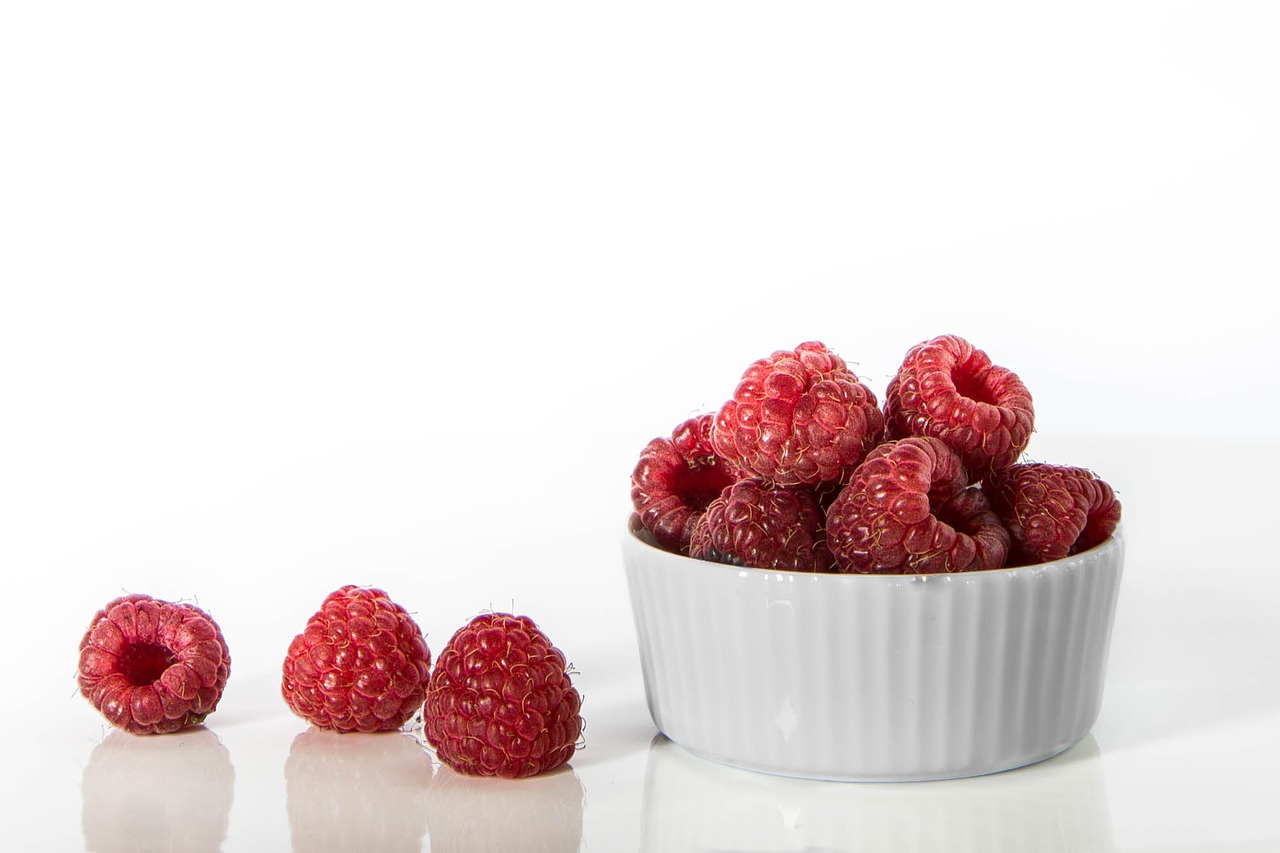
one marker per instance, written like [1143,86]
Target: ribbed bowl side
[873,678]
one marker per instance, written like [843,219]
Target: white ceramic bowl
[873,677]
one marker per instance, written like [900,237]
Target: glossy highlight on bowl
[873,677]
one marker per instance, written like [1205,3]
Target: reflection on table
[380,792]
[157,792]
[349,792]
[541,814]
[691,803]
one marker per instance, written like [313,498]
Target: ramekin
[873,677]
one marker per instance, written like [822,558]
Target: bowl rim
[638,535]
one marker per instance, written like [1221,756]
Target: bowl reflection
[157,792]
[356,792]
[540,814]
[691,803]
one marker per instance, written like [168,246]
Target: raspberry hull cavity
[360,665]
[674,480]
[151,666]
[907,511]
[948,389]
[501,701]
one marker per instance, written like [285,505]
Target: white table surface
[1180,759]
[298,296]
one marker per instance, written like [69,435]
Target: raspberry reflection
[481,814]
[356,791]
[159,792]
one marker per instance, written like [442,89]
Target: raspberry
[906,510]
[948,389]
[674,481]
[360,665]
[153,667]
[501,702]
[756,524]
[1052,511]
[798,418]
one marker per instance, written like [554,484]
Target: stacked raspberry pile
[803,470]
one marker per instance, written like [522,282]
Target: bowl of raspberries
[830,585]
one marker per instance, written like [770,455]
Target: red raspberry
[501,702]
[153,667]
[360,665]
[948,389]
[674,481]
[756,524]
[906,510]
[798,418]
[1052,511]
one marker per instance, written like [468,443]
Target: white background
[293,296]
